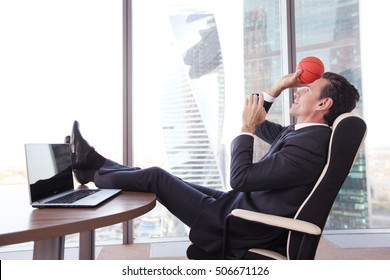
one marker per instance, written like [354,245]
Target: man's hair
[343,93]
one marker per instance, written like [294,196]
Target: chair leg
[225,247]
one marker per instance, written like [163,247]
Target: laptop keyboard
[72,197]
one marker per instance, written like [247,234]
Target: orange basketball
[312,69]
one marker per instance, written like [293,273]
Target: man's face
[307,101]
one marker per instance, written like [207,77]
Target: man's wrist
[267,97]
[248,129]
[275,91]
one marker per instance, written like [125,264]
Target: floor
[327,250]
[331,247]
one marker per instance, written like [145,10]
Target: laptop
[50,179]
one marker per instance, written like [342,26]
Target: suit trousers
[183,199]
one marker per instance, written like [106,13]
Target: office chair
[304,230]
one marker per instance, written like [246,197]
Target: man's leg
[208,191]
[183,200]
[112,166]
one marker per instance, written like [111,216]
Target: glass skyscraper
[193,100]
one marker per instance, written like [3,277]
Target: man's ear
[325,104]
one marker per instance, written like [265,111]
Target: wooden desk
[19,222]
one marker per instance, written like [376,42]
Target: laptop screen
[49,169]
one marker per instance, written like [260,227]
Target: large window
[194,61]
[375,57]
[193,64]
[331,31]
[348,36]
[60,61]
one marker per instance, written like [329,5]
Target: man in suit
[276,184]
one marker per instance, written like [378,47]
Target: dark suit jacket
[276,184]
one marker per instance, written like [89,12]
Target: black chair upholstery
[305,229]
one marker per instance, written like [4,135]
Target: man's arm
[254,114]
[285,82]
[297,160]
[255,107]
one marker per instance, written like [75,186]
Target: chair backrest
[348,133]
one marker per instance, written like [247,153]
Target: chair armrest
[277,221]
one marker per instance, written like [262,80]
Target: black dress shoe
[84,176]
[80,148]
[84,156]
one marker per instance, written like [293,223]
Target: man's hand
[253,114]
[287,81]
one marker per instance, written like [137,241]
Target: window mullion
[288,50]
